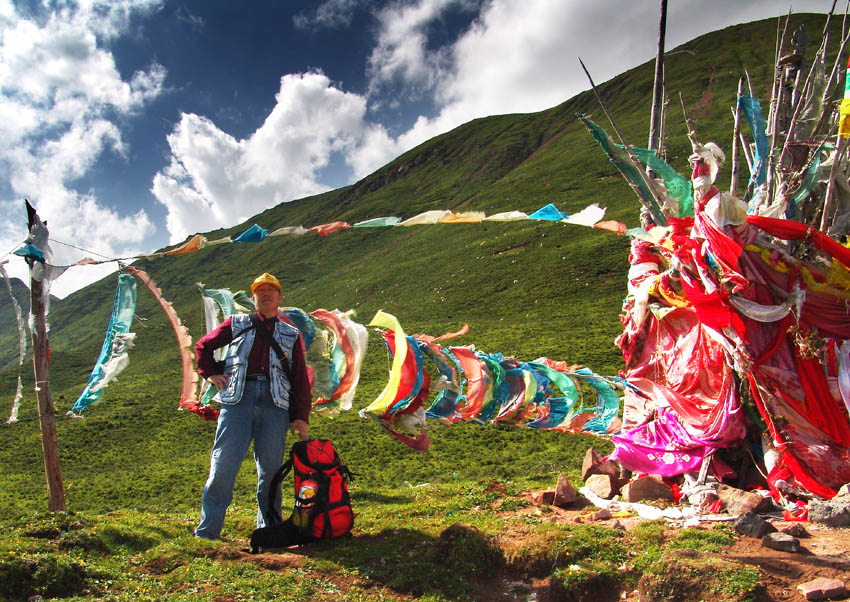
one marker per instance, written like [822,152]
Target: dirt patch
[272,561]
[826,553]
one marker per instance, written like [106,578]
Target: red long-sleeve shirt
[300,402]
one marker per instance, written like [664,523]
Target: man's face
[267,299]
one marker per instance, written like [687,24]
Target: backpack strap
[281,355]
[274,487]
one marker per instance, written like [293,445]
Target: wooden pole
[830,187]
[776,101]
[688,123]
[657,89]
[46,411]
[662,126]
[733,185]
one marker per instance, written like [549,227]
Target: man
[263,389]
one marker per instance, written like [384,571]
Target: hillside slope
[527,289]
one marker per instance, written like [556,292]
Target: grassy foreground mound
[450,541]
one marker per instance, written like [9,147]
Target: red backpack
[322,504]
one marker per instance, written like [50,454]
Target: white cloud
[215,180]
[521,56]
[60,98]
[401,52]
[331,14]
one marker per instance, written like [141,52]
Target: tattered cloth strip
[758,127]
[327,229]
[549,213]
[541,394]
[188,399]
[844,119]
[398,408]
[218,241]
[88,261]
[382,404]
[22,347]
[113,356]
[790,230]
[377,222]
[351,339]
[608,402]
[217,302]
[428,217]
[678,188]
[449,335]
[195,243]
[588,216]
[290,230]
[253,234]
[463,217]
[506,216]
[611,225]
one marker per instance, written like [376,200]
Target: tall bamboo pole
[733,185]
[46,411]
[657,89]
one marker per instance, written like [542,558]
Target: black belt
[256,377]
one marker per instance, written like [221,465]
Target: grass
[425,550]
[428,525]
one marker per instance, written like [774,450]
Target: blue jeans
[255,417]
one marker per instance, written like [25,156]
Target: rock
[601,515]
[822,588]
[593,464]
[603,485]
[646,488]
[578,519]
[833,513]
[751,525]
[843,492]
[543,497]
[781,541]
[618,525]
[796,530]
[738,501]
[565,493]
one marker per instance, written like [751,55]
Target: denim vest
[236,361]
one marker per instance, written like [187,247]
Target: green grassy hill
[527,289]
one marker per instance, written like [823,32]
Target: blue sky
[131,124]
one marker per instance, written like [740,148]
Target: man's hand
[301,427]
[219,380]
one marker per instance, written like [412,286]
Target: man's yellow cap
[265,278]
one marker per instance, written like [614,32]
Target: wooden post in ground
[46,411]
